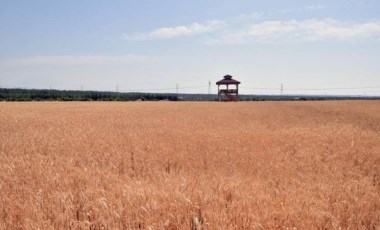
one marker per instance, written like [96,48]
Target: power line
[118,88]
[258,88]
[163,89]
[342,88]
[345,88]
[177,88]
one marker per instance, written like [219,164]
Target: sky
[310,47]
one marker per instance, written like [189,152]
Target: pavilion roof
[227,80]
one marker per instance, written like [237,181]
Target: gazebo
[228,94]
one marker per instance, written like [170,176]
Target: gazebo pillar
[218,93]
[237,92]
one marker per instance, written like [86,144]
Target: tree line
[7,94]
[72,95]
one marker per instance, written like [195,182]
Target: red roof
[228,81]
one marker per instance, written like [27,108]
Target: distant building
[226,92]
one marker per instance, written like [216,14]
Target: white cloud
[247,28]
[67,60]
[299,30]
[331,29]
[178,31]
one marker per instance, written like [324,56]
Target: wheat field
[190,165]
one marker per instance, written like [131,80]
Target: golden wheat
[162,165]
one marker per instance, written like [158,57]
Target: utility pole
[177,88]
[209,87]
[81,88]
[282,88]
[117,88]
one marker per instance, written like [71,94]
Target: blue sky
[312,47]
